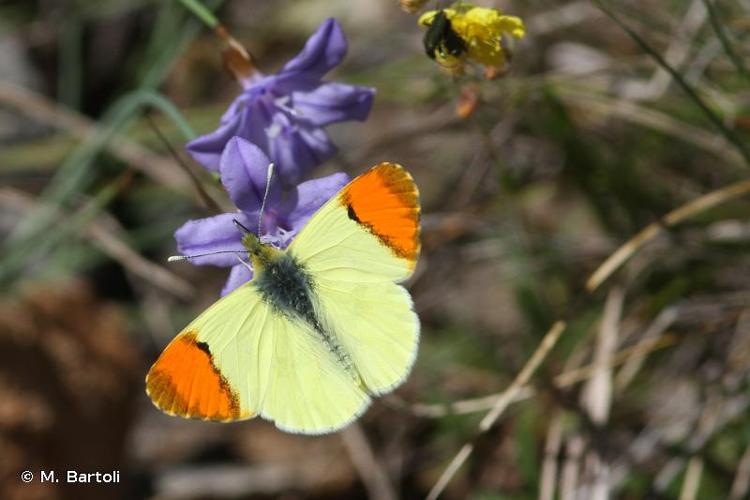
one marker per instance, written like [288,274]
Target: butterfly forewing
[355,247]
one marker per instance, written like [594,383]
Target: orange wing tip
[184,382]
[385,201]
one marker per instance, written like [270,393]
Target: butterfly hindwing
[310,389]
[376,324]
[243,357]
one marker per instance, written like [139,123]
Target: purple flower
[284,114]
[243,168]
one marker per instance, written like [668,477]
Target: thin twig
[546,345]
[371,472]
[676,216]
[205,198]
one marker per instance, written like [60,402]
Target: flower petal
[245,118]
[244,172]
[324,50]
[333,102]
[238,276]
[310,196]
[207,149]
[296,148]
[213,234]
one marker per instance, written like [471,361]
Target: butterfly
[321,328]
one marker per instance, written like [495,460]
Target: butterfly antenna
[241,227]
[269,175]
[179,258]
[248,266]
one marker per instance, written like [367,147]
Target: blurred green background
[584,142]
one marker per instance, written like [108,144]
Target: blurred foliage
[583,143]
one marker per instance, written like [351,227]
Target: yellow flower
[468,32]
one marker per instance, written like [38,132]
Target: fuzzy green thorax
[261,255]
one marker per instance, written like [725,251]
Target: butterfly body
[287,287]
[321,328]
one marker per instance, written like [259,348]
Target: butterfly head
[261,254]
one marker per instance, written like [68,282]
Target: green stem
[69,62]
[201,12]
[724,39]
[684,85]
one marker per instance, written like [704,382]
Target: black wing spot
[203,347]
[352,214]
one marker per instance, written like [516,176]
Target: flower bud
[468,100]
[411,6]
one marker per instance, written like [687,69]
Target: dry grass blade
[571,468]
[105,239]
[597,395]
[654,332]
[692,479]
[546,345]
[676,216]
[741,483]
[645,116]
[549,465]
[598,392]
[563,380]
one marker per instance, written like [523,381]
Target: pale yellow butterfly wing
[368,232]
[241,357]
[376,324]
[310,390]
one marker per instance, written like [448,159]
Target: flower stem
[201,12]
